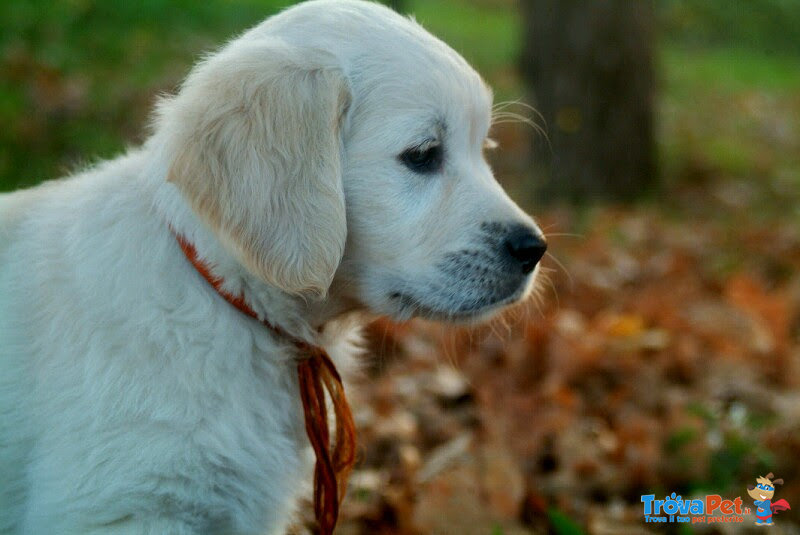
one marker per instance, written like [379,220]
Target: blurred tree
[589,66]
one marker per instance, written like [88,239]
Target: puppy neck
[303,317]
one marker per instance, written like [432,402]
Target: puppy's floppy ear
[255,133]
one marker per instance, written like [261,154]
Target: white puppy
[327,165]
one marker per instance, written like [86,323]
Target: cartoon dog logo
[762,493]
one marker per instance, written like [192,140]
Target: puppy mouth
[411,306]
[467,285]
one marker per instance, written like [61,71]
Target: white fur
[133,399]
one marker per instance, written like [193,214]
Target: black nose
[525,247]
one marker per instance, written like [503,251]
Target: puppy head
[256,138]
[430,231]
[339,146]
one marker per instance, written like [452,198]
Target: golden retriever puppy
[326,166]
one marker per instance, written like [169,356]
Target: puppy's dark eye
[423,159]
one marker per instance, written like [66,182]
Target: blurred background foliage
[664,354]
[78,77]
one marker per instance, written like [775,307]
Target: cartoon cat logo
[762,493]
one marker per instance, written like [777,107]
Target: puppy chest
[245,459]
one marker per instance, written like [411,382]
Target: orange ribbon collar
[317,374]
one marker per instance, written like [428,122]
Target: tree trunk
[589,65]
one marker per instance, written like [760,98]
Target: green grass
[730,113]
[727,70]
[766,26]
[730,96]
[79,76]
